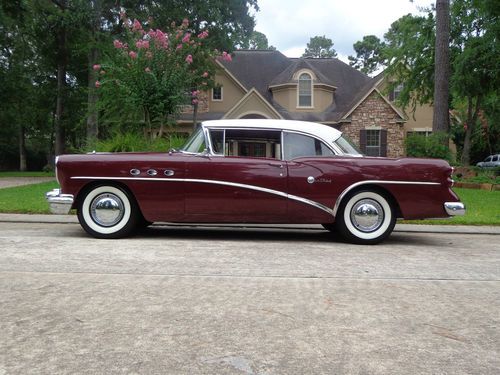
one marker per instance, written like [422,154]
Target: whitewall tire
[107,212]
[365,217]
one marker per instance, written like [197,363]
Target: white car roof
[321,131]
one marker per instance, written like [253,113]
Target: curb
[424,228]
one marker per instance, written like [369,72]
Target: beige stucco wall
[287,98]
[231,94]
[252,104]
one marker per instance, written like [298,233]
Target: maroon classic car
[254,171]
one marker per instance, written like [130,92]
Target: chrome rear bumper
[59,203]
[454,208]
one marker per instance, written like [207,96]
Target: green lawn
[28,199]
[483,207]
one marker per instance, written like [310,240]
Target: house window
[305,90]
[217,93]
[396,91]
[373,142]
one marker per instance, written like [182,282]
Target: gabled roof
[262,69]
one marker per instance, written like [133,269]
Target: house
[267,84]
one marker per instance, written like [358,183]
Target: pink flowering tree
[153,72]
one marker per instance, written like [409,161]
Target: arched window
[305,90]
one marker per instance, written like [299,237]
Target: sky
[289,24]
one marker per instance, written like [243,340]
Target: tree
[368,57]
[441,117]
[259,40]
[151,71]
[320,47]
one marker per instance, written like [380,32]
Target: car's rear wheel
[366,217]
[107,211]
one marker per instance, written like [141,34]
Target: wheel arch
[93,184]
[372,186]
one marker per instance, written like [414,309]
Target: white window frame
[221,94]
[298,90]
[379,146]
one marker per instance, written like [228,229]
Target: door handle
[277,165]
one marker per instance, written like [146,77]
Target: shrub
[431,146]
[137,142]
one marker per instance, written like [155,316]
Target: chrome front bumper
[454,208]
[59,203]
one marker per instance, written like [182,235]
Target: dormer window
[305,90]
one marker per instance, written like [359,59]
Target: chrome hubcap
[107,209]
[367,215]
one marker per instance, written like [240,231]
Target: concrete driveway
[188,300]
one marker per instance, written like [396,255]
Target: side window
[217,141]
[252,143]
[298,145]
[488,159]
[495,158]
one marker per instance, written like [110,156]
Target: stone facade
[375,113]
[202,104]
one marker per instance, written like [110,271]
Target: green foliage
[431,146]
[369,56]
[320,47]
[150,72]
[137,142]
[259,41]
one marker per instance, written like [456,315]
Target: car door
[314,178]
[245,181]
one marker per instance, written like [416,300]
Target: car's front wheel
[365,217]
[107,212]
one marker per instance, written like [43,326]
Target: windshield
[195,143]
[347,146]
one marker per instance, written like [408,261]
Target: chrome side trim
[348,189]
[216,182]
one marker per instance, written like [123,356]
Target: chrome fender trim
[377,182]
[216,182]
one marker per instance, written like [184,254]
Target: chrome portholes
[367,215]
[152,172]
[107,209]
[135,172]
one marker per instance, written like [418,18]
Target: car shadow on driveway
[221,233]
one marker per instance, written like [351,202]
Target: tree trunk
[61,87]
[93,58]
[471,123]
[441,118]
[92,98]
[22,149]
[195,116]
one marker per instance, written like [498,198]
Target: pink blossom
[142,44]
[226,56]
[147,70]
[189,59]
[185,22]
[136,26]
[161,39]
[194,101]
[203,34]
[97,84]
[117,43]
[179,46]
[132,54]
[195,93]
[205,75]
[186,38]
[96,67]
